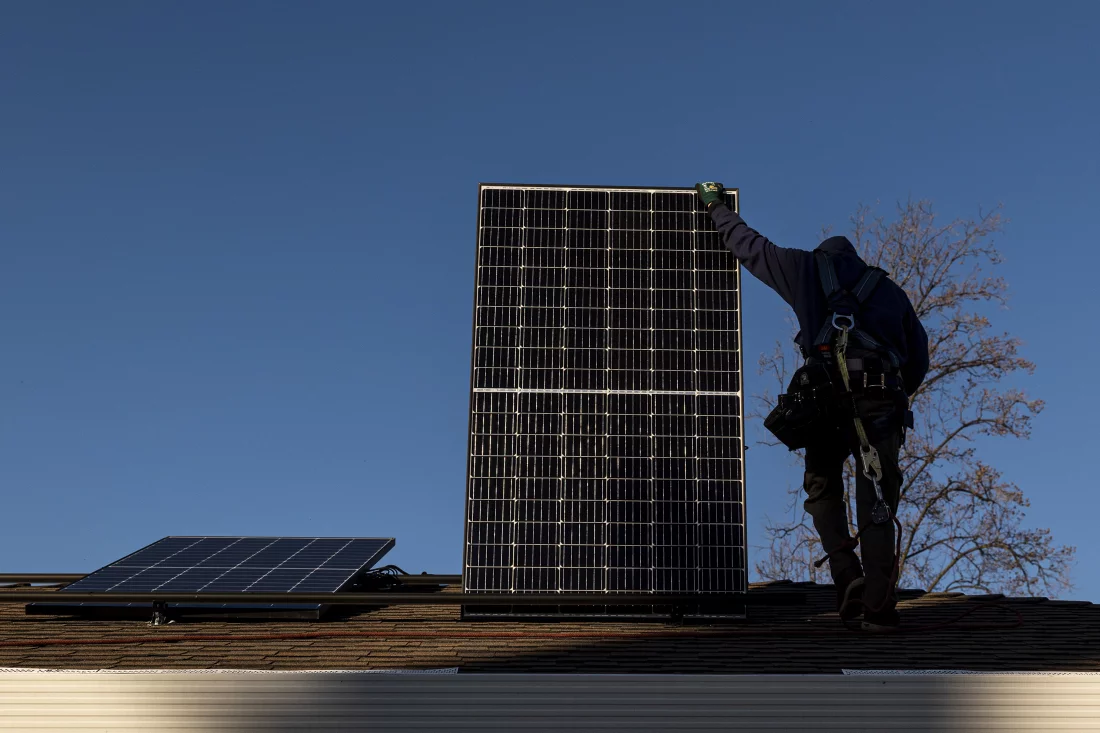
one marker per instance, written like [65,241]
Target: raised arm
[777,267]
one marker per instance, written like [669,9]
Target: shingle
[805,638]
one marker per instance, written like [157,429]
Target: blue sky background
[237,239]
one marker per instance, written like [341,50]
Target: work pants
[824,485]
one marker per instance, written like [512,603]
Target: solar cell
[606,417]
[226,564]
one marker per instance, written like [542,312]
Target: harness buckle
[842,316]
[881,384]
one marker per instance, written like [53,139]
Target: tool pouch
[806,411]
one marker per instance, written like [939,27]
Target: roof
[996,634]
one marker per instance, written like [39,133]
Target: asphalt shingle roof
[1019,634]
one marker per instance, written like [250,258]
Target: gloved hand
[711,193]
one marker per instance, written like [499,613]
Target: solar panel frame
[551,236]
[191,564]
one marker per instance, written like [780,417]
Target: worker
[844,308]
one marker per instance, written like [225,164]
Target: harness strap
[824,336]
[867,283]
[827,273]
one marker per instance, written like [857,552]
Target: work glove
[711,193]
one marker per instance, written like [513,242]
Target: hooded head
[837,246]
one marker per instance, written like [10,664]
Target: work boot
[849,595]
[883,621]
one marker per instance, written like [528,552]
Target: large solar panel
[229,564]
[605,449]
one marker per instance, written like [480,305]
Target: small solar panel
[232,564]
[606,420]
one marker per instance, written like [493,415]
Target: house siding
[351,701]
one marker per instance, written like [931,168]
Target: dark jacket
[887,315]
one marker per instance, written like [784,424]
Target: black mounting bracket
[160,614]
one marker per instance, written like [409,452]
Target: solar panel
[605,447]
[229,564]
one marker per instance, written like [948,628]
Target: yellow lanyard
[872,467]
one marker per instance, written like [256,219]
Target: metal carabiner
[851,322]
[872,468]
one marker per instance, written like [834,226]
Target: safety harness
[840,326]
[848,303]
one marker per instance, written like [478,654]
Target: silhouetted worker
[844,308]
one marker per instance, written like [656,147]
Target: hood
[837,246]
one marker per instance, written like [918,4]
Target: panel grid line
[314,570]
[150,567]
[695,366]
[278,566]
[652,416]
[607,579]
[231,544]
[242,562]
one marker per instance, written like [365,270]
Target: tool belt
[867,373]
[812,406]
[807,410]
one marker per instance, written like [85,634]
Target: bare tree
[963,521]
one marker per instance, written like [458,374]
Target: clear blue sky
[237,239]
